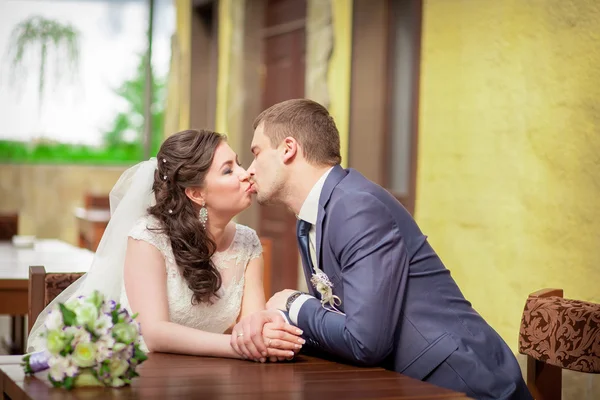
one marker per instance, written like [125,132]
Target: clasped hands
[266,335]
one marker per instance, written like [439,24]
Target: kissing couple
[378,295]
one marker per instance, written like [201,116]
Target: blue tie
[303,229]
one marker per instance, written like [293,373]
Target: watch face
[290,300]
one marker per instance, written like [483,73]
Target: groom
[384,297]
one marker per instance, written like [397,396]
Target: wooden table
[168,376]
[54,255]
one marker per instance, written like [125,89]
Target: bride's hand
[280,339]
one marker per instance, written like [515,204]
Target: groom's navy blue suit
[403,310]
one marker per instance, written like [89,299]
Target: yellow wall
[329,59]
[230,87]
[509,151]
[224,63]
[177,116]
[338,79]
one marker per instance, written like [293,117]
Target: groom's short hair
[309,123]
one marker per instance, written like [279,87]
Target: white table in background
[54,255]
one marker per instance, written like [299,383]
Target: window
[80,99]
[405,40]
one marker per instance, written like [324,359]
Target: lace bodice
[231,263]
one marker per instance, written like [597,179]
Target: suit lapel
[335,176]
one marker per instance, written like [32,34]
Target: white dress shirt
[309,213]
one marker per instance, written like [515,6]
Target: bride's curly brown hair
[183,161]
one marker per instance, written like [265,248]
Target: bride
[172,253]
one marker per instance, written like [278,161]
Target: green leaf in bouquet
[69,316]
[140,355]
[69,382]
[105,368]
[93,334]
[68,349]
[53,382]
[26,366]
[134,316]
[115,317]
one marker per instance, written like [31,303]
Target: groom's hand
[283,340]
[247,335]
[279,299]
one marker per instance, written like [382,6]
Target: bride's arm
[254,295]
[146,287]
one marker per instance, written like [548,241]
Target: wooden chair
[557,334]
[44,287]
[92,220]
[267,246]
[96,201]
[9,225]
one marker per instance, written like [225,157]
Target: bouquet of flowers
[89,342]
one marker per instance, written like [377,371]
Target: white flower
[125,333]
[80,335]
[124,350]
[323,285]
[58,367]
[106,340]
[71,370]
[104,347]
[103,353]
[108,306]
[86,314]
[55,341]
[117,382]
[74,303]
[84,354]
[103,324]
[118,367]
[54,320]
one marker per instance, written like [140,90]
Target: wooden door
[284,50]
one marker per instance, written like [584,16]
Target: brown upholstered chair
[44,287]
[556,334]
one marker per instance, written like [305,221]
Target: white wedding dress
[231,264]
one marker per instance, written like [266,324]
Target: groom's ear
[290,149]
[195,194]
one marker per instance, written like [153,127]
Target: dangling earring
[203,215]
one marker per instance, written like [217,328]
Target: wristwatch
[291,299]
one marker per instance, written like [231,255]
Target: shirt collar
[310,207]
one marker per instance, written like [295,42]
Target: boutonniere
[323,285]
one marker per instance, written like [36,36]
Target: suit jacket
[403,310]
